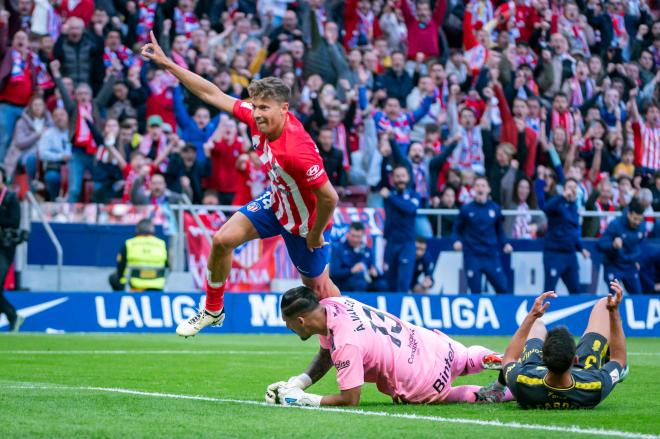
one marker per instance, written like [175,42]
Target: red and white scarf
[83,137]
[469,152]
[146,19]
[577,97]
[476,57]
[19,64]
[603,221]
[565,121]
[185,22]
[340,139]
[364,29]
[521,229]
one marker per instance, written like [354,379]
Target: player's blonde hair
[270,88]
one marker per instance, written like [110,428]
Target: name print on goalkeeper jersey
[407,362]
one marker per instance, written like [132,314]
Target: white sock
[211,283]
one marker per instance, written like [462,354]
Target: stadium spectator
[423,25]
[621,247]
[518,195]
[333,158]
[84,110]
[157,192]
[32,124]
[601,200]
[142,261]
[447,200]
[21,75]
[54,149]
[401,204]
[352,263]
[552,360]
[197,129]
[395,82]
[479,233]
[185,173]
[397,123]
[79,53]
[422,279]
[562,240]
[326,56]
[224,149]
[10,221]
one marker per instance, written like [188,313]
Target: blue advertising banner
[260,313]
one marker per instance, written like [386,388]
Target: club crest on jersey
[491,213]
[255,141]
[253,207]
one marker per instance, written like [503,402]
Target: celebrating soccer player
[544,369]
[298,206]
[407,362]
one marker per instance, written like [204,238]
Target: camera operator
[10,236]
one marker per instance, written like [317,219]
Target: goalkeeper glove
[295,396]
[301,381]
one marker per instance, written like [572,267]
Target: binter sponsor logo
[339,365]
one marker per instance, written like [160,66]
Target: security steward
[142,261]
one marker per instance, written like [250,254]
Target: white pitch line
[465,421]
[150,352]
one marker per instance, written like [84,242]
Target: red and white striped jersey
[294,167]
[647,146]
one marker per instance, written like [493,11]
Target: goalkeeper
[407,362]
[551,372]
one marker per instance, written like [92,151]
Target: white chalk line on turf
[149,352]
[410,416]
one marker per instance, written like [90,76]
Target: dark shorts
[592,351]
[310,264]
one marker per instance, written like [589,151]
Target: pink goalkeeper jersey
[294,167]
[407,362]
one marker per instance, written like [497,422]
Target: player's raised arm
[199,86]
[617,338]
[517,343]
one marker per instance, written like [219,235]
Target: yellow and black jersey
[593,377]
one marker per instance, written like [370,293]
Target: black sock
[500,378]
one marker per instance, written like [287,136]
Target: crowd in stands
[528,93]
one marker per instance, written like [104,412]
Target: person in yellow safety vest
[143,260]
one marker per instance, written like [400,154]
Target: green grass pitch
[126,386]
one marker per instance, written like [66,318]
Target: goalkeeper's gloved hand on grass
[301,382]
[297,397]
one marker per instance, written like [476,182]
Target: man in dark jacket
[562,240]
[401,206]
[620,245]
[333,159]
[10,219]
[396,81]
[79,52]
[352,263]
[479,232]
